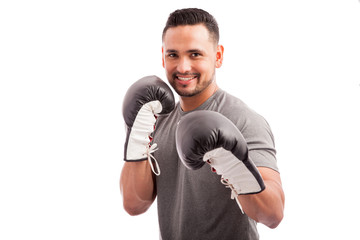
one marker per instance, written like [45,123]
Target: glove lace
[151,150]
[234,194]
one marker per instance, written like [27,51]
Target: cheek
[169,70]
[205,67]
[169,65]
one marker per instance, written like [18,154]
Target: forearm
[266,207]
[137,187]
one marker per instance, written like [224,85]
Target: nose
[184,65]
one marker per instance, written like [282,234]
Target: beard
[183,91]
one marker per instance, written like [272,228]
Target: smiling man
[190,56]
[190,59]
[195,204]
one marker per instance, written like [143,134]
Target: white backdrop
[65,67]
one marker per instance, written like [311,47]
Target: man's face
[190,57]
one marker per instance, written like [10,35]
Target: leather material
[146,98]
[145,90]
[200,132]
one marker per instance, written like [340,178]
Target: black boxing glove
[144,100]
[207,136]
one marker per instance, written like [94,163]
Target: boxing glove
[206,136]
[144,100]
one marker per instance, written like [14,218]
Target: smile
[186,78]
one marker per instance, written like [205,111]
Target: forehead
[193,36]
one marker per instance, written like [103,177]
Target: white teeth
[185,79]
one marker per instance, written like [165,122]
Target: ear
[219,56]
[162,56]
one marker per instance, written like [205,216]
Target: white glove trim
[235,175]
[138,144]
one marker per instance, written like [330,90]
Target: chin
[191,94]
[187,92]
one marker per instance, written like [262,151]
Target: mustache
[186,73]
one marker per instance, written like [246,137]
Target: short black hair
[193,16]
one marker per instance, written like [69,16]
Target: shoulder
[252,125]
[238,111]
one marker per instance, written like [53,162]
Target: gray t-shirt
[195,204]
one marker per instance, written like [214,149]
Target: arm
[145,99]
[266,207]
[206,136]
[137,186]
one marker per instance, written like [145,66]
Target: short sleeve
[260,140]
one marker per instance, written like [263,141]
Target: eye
[195,54]
[172,55]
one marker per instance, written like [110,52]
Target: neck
[190,103]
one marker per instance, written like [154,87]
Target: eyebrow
[188,51]
[171,51]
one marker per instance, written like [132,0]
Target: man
[194,204]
